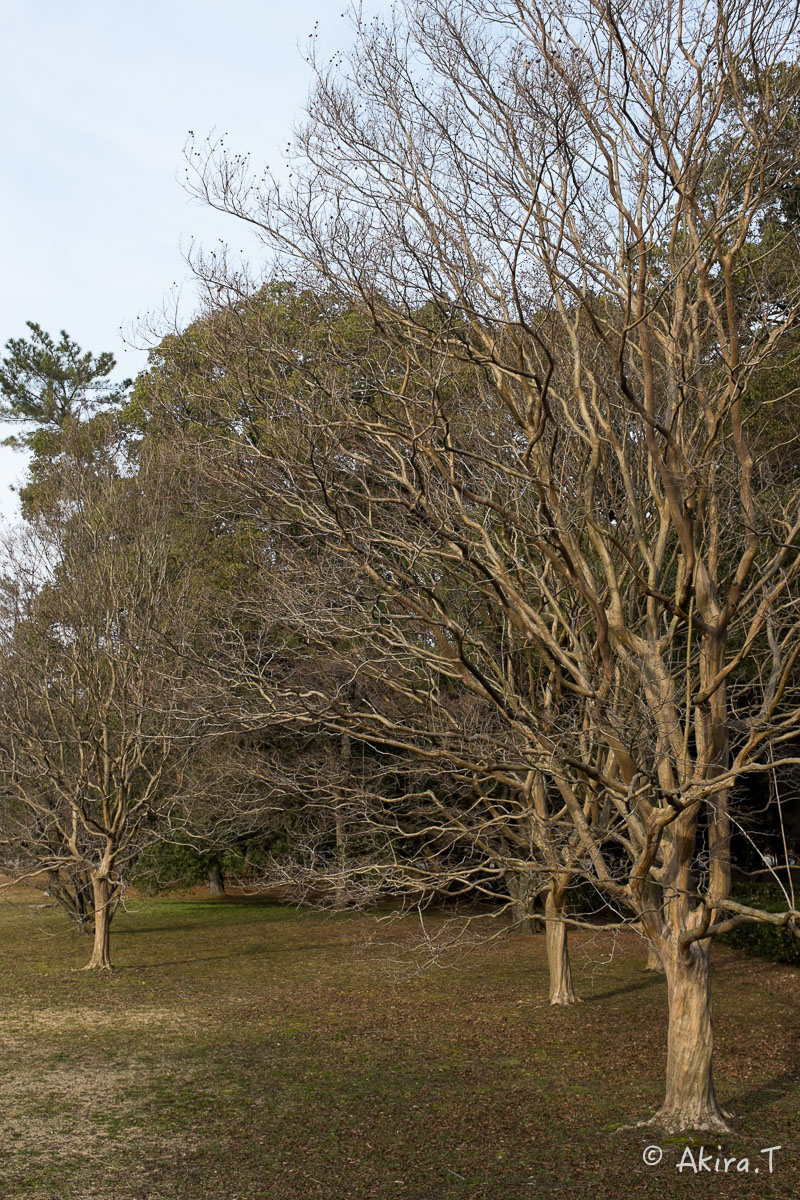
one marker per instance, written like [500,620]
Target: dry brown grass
[248,1052]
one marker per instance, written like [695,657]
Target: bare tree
[94,729]
[564,225]
[213,382]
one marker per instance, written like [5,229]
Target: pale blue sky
[97,99]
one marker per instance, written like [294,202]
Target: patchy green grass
[243,1051]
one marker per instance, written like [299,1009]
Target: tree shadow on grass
[263,951]
[135,930]
[177,927]
[770,1091]
[755,1102]
[179,962]
[647,981]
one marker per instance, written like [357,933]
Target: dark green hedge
[768,941]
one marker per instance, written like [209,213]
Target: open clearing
[244,1051]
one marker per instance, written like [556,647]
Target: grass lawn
[243,1051]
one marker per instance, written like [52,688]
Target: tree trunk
[341,764]
[557,949]
[216,880]
[654,962]
[71,888]
[339,900]
[103,892]
[522,915]
[651,924]
[690,1102]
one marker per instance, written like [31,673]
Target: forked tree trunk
[102,892]
[522,915]
[216,880]
[561,991]
[654,962]
[72,891]
[690,1102]
[651,923]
